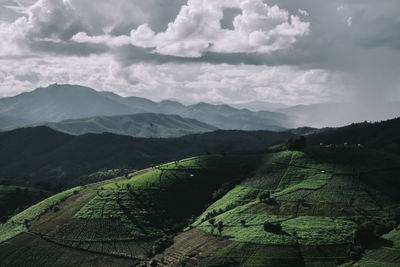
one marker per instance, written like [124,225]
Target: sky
[230,51]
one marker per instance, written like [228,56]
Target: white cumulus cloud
[259,28]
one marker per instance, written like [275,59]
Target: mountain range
[137,125]
[260,106]
[62,102]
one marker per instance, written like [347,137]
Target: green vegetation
[104,174]
[165,198]
[315,230]
[317,206]
[8,231]
[161,244]
[322,198]
[36,210]
[296,143]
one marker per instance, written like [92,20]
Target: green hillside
[316,207]
[137,125]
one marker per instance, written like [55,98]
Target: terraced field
[317,206]
[124,217]
[279,209]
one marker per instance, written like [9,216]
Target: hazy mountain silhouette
[260,106]
[61,102]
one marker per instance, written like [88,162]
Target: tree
[296,143]
[264,196]
[272,228]
[220,227]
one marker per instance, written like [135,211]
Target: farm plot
[93,229]
[270,173]
[192,245]
[238,196]
[28,250]
[161,200]
[252,230]
[301,178]
[253,255]
[134,249]
[43,206]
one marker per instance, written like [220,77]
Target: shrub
[161,244]
[272,228]
[220,226]
[365,234]
[182,261]
[296,143]
[263,196]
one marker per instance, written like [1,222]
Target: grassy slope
[157,202]
[15,225]
[320,201]
[43,206]
[319,198]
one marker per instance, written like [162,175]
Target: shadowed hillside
[317,207]
[43,157]
[383,135]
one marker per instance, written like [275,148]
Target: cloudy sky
[288,51]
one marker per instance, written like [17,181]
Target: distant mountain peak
[58,102]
